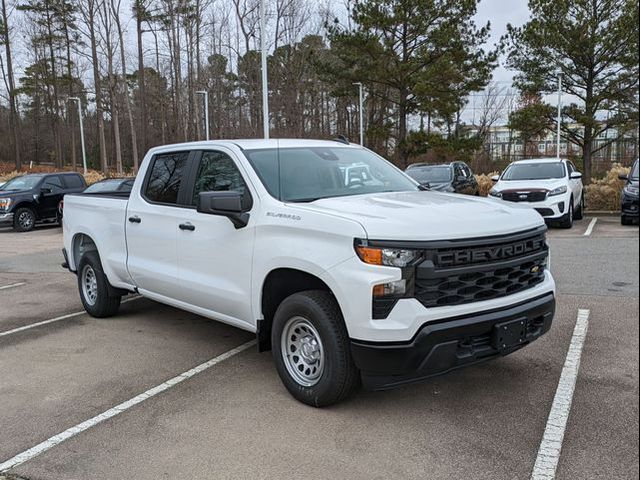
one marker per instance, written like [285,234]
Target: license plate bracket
[508,335]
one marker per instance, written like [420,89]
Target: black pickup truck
[33,198]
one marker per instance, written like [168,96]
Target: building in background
[504,145]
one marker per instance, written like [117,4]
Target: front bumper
[552,208]
[448,344]
[630,205]
[6,218]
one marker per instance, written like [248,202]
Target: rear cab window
[74,181]
[165,178]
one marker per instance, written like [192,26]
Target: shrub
[485,183]
[604,193]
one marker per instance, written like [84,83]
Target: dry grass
[604,193]
[485,183]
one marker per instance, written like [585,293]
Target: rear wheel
[625,220]
[567,220]
[94,288]
[24,220]
[311,349]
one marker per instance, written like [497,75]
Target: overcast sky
[500,13]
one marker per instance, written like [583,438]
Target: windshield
[114,185]
[20,183]
[310,173]
[439,174]
[534,171]
[634,171]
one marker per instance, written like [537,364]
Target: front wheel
[579,215]
[624,220]
[24,220]
[94,288]
[567,220]
[311,349]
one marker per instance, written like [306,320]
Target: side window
[570,169]
[217,172]
[165,177]
[73,181]
[458,171]
[53,183]
[467,171]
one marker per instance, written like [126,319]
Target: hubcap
[302,351]
[25,220]
[89,285]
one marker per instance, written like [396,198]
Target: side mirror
[623,176]
[425,186]
[495,178]
[227,204]
[461,178]
[575,175]
[45,191]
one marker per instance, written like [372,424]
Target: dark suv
[630,196]
[453,177]
[33,198]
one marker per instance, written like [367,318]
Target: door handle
[187,226]
[135,219]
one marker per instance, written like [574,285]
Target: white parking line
[118,409]
[13,285]
[551,445]
[590,227]
[53,320]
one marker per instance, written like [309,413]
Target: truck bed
[101,217]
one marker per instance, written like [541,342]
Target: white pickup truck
[339,262]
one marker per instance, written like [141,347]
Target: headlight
[630,189]
[495,193]
[5,203]
[390,257]
[558,191]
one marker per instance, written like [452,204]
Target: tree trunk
[91,15]
[14,118]
[125,87]
[141,80]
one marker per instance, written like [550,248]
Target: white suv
[553,187]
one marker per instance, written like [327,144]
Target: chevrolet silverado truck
[343,266]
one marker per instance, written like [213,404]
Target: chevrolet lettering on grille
[488,254]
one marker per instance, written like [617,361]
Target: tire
[579,215]
[624,220]
[311,322]
[94,288]
[24,220]
[567,220]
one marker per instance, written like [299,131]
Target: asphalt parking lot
[235,420]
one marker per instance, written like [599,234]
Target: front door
[215,258]
[51,192]
[153,215]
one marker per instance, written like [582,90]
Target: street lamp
[263,54]
[205,94]
[559,119]
[361,110]
[84,152]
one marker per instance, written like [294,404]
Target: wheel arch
[80,245]
[279,284]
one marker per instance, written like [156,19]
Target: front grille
[455,273]
[525,196]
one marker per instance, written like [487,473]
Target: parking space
[235,419]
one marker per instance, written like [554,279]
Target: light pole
[84,152]
[361,110]
[263,48]
[205,94]
[559,119]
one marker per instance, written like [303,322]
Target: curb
[608,213]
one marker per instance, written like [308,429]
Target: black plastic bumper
[630,206]
[449,344]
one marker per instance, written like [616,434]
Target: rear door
[574,184]
[215,258]
[153,214]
